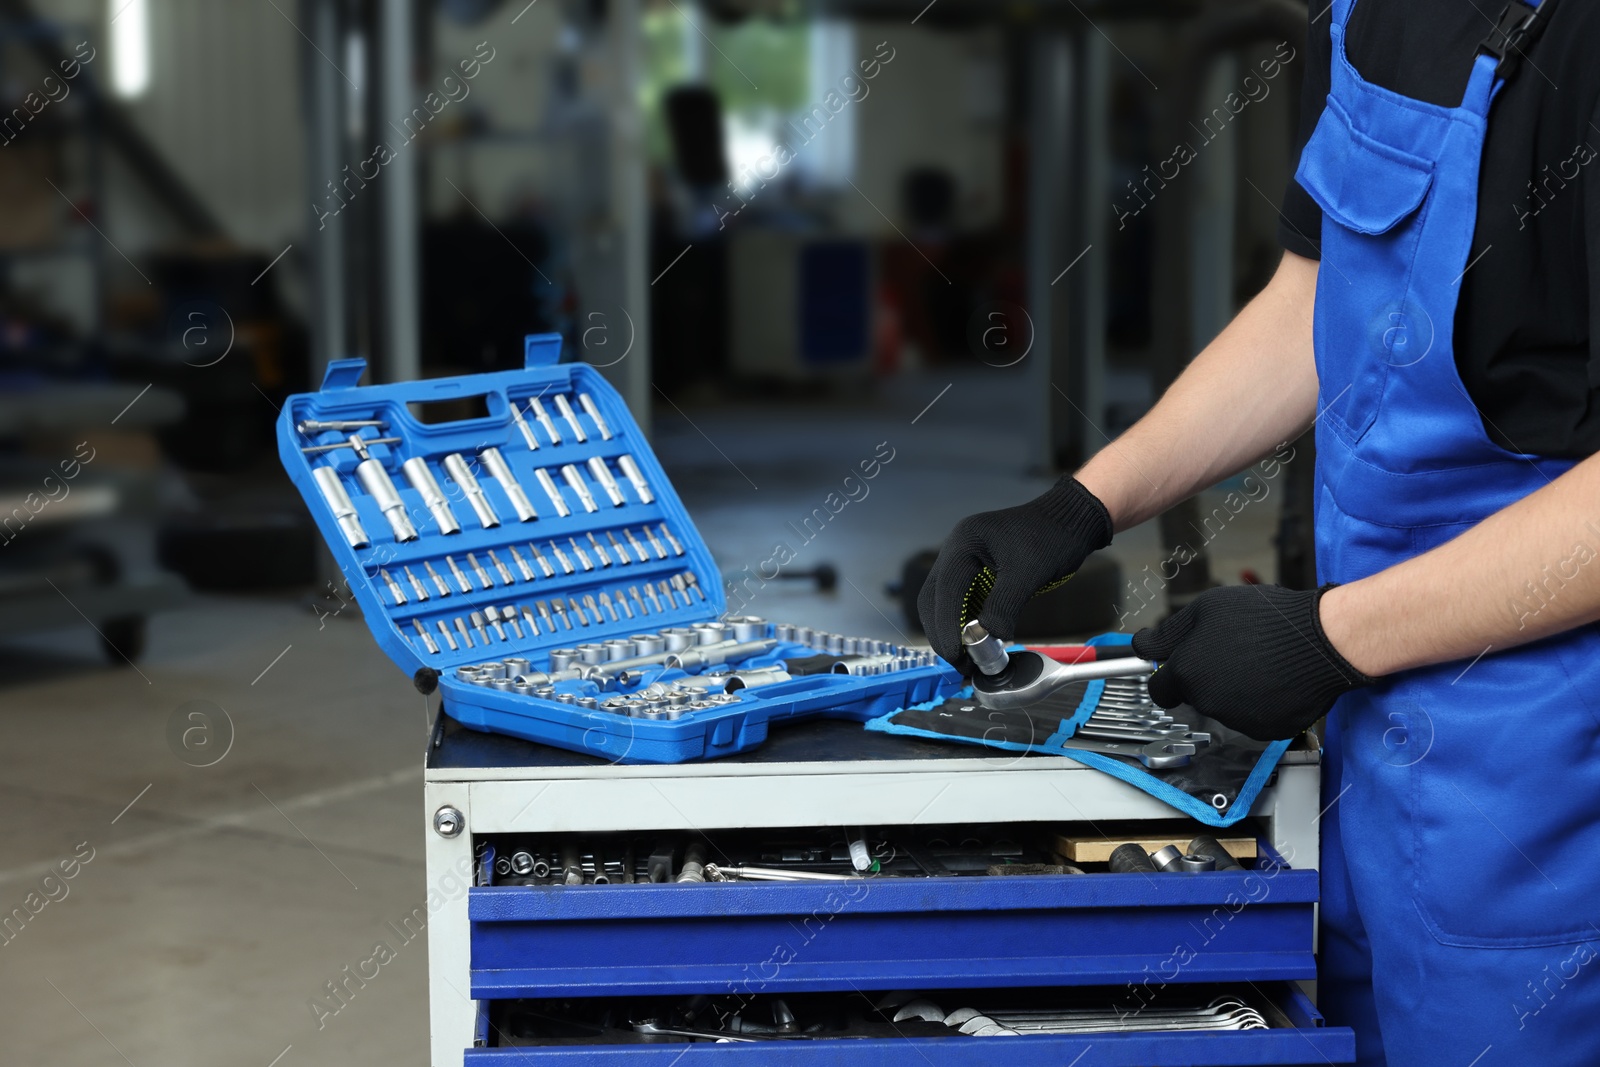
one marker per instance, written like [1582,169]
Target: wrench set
[739,1016]
[536,565]
[1229,1012]
[1125,722]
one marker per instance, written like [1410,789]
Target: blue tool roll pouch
[1218,786]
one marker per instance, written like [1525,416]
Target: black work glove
[1253,657]
[993,562]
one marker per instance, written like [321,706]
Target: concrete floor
[219,899]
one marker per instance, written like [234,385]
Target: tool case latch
[343,374]
[541,350]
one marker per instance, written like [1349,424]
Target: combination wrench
[1157,755]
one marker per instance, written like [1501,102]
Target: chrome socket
[592,653]
[748,627]
[678,638]
[422,480]
[755,678]
[865,666]
[497,466]
[988,652]
[522,424]
[548,484]
[709,633]
[571,417]
[387,497]
[602,474]
[631,468]
[648,644]
[461,474]
[587,403]
[563,658]
[343,508]
[544,419]
[579,486]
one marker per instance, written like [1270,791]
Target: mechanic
[1431,317]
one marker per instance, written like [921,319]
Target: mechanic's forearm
[1525,572]
[1250,390]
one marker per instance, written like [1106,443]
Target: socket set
[537,566]
[685,669]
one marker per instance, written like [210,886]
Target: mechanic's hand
[993,562]
[1253,657]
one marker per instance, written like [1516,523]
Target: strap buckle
[1518,27]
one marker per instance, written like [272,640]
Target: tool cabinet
[1250,930]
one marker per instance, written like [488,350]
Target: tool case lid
[543,376]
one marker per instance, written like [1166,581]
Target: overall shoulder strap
[1341,13]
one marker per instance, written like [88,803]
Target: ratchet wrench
[1008,680]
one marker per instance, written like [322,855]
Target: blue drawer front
[1307,1042]
[1098,929]
[1099,1050]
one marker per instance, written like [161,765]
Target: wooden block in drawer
[1098,849]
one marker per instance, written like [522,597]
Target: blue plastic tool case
[442,577]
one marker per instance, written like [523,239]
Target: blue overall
[1461,853]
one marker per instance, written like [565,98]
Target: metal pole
[1050,130]
[324,107]
[399,327]
[630,207]
[1087,247]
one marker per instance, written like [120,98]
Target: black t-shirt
[1527,343]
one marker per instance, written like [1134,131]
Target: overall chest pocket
[1367,323]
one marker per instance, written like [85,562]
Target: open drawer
[860,1027]
[904,932]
